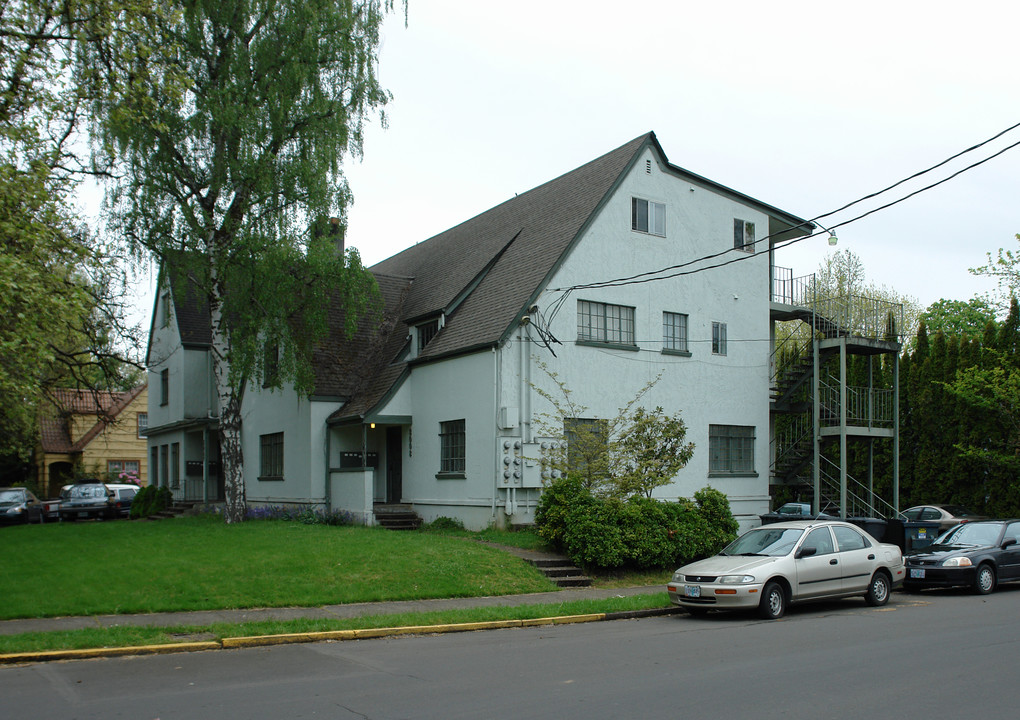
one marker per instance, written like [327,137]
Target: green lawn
[201,563]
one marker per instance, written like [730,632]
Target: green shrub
[444,523]
[149,500]
[554,504]
[595,531]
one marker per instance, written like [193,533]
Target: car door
[1009,559]
[856,559]
[818,575]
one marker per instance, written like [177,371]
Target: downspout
[497,388]
[328,491]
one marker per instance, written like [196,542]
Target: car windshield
[976,534]
[88,491]
[11,496]
[764,541]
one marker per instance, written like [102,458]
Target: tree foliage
[228,143]
[631,453]
[62,308]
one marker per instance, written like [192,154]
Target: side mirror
[1008,542]
[805,552]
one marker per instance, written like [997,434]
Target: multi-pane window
[587,443]
[154,466]
[743,235]
[271,456]
[143,423]
[452,446]
[115,467]
[175,465]
[164,387]
[674,331]
[164,464]
[719,338]
[600,322]
[647,216]
[731,449]
[270,365]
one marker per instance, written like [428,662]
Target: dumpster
[875,527]
[919,534]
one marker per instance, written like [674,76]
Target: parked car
[801,511]
[978,554]
[85,500]
[123,494]
[18,505]
[947,516]
[771,566]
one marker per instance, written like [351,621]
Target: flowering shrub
[129,477]
[304,515]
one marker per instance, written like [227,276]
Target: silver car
[771,566]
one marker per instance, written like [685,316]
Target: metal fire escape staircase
[815,412]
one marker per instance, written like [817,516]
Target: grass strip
[118,637]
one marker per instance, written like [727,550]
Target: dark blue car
[979,555]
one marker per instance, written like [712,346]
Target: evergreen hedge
[607,532]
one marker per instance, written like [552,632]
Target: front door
[394,464]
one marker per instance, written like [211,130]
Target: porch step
[561,572]
[397,517]
[180,507]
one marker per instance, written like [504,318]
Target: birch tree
[229,138]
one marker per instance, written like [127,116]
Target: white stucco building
[619,272]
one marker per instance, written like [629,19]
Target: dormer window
[426,331]
[164,308]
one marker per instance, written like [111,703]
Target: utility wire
[654,275]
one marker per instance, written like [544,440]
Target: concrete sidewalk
[207,617]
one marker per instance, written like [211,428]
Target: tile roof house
[96,432]
[437,406]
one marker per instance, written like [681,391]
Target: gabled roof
[482,274]
[54,432]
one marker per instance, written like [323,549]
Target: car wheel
[878,590]
[984,583]
[773,601]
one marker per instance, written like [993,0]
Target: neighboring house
[438,406]
[91,432]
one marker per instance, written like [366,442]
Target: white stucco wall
[730,389]
[303,424]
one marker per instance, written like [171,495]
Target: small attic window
[164,309]
[426,331]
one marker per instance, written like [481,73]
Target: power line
[655,275]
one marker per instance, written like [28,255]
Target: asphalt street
[937,654]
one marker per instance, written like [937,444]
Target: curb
[327,635]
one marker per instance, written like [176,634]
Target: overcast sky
[803,105]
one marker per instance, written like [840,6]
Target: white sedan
[771,566]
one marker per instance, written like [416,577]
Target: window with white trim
[143,423]
[743,235]
[648,217]
[718,338]
[731,449]
[604,323]
[674,332]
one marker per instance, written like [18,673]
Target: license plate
[917,573]
[692,591]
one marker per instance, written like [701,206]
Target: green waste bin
[919,534]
